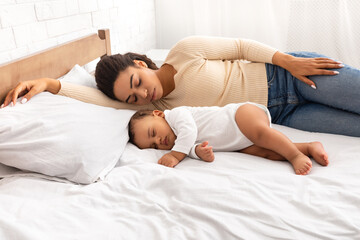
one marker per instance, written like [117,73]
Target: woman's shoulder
[193,41]
[182,51]
[184,44]
[187,48]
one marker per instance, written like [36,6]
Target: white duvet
[236,197]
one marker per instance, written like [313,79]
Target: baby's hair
[137,116]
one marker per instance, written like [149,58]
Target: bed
[237,196]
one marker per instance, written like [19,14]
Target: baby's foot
[317,151]
[301,164]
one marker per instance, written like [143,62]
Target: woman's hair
[137,116]
[109,67]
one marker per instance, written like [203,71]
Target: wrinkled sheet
[237,196]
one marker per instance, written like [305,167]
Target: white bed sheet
[236,197]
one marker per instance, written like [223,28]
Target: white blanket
[235,197]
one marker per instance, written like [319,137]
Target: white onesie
[217,125]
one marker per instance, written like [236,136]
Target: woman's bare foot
[301,164]
[317,151]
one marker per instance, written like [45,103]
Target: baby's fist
[168,160]
[205,152]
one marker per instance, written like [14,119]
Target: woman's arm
[303,67]
[95,96]
[218,48]
[30,88]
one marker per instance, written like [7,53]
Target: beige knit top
[211,71]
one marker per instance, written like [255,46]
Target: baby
[243,127]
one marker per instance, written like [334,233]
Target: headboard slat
[54,62]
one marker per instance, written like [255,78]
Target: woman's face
[138,85]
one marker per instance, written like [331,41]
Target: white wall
[28,26]
[330,27]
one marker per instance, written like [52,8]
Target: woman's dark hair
[109,67]
[137,116]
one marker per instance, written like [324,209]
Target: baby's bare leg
[254,124]
[312,149]
[262,152]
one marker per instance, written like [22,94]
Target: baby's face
[153,132]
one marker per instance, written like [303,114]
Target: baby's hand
[168,160]
[205,152]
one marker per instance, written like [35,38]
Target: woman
[207,71]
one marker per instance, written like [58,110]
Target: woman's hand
[303,67]
[30,88]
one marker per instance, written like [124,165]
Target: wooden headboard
[54,62]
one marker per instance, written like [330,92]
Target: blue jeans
[334,107]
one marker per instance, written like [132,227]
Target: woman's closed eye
[137,85]
[133,83]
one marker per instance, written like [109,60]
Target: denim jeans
[334,107]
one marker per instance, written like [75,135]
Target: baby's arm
[205,152]
[172,158]
[184,127]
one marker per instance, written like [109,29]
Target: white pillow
[63,137]
[79,75]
